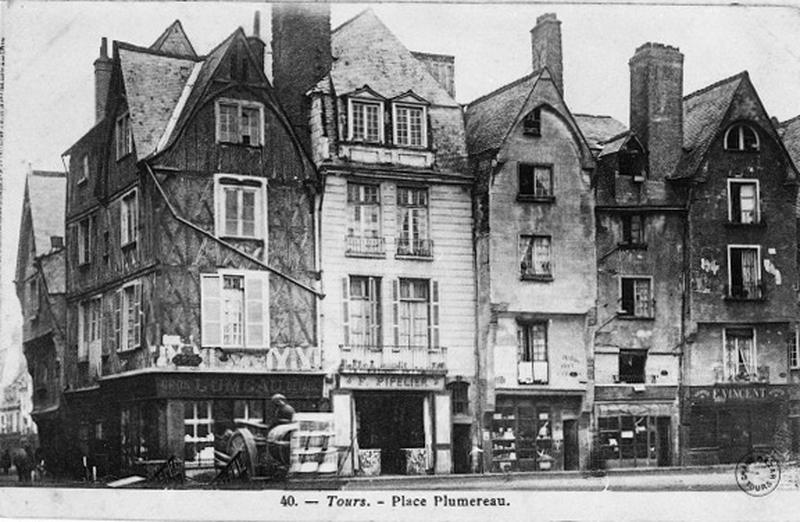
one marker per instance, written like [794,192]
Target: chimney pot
[546,48]
[257,24]
[103,47]
[102,80]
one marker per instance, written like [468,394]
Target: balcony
[360,246]
[753,291]
[420,359]
[415,248]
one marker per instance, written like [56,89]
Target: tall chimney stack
[656,107]
[255,42]
[301,56]
[102,80]
[546,48]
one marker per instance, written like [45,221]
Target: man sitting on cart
[283,413]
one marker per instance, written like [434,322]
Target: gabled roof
[47,197]
[790,134]
[703,113]
[174,41]
[599,129]
[489,118]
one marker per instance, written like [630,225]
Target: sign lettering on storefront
[733,394]
[392,382]
[177,386]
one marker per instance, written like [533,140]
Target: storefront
[725,422]
[390,423]
[536,433]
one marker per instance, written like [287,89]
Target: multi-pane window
[364,312]
[234,310]
[366,121]
[628,437]
[632,366]
[123,137]
[198,440]
[636,298]
[740,354]
[633,229]
[535,180]
[793,343]
[130,314]
[533,367]
[744,272]
[532,123]
[85,231]
[409,126]
[414,316]
[535,256]
[251,410]
[240,122]
[459,395]
[741,137]
[88,327]
[743,201]
[412,218]
[364,219]
[240,207]
[129,218]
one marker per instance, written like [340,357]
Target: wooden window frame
[752,376]
[123,136]
[525,275]
[205,300]
[351,103]
[651,300]
[794,350]
[423,125]
[239,135]
[759,280]
[525,353]
[128,202]
[744,181]
[85,240]
[87,346]
[533,196]
[243,183]
[740,127]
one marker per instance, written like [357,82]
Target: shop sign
[730,394]
[392,382]
[239,385]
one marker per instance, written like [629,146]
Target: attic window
[123,137]
[741,137]
[240,122]
[410,127]
[366,121]
[532,124]
[83,173]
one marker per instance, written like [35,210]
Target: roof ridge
[48,173]
[502,88]
[616,137]
[146,50]
[714,85]
[351,19]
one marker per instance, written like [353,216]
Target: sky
[50,48]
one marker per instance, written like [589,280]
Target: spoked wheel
[242,442]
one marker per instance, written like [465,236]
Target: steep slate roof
[703,112]
[47,194]
[598,129]
[54,271]
[489,118]
[790,133]
[174,41]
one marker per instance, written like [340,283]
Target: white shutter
[210,310]
[137,317]
[434,317]
[256,312]
[346,311]
[123,222]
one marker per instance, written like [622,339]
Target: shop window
[410,126]
[416,314]
[234,310]
[198,441]
[633,231]
[633,438]
[632,366]
[123,136]
[366,121]
[129,219]
[240,207]
[362,311]
[89,317]
[412,217]
[741,137]
[533,367]
[744,272]
[743,201]
[250,410]
[535,257]
[240,122]
[636,297]
[85,230]
[522,437]
[535,182]
[532,123]
[740,354]
[138,432]
[364,220]
[459,397]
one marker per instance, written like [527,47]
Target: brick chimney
[255,42]
[546,47]
[102,80]
[301,56]
[656,108]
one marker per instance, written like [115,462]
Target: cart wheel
[242,440]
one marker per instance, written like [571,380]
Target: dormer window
[741,137]
[532,123]
[240,122]
[366,121]
[123,137]
[410,126]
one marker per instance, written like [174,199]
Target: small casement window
[235,310]
[743,201]
[744,272]
[793,343]
[89,318]
[533,367]
[535,256]
[741,137]
[636,299]
[240,122]
[535,181]
[740,354]
[251,410]
[459,397]
[410,128]
[83,171]
[85,243]
[123,136]
[126,313]
[633,230]
[412,219]
[366,121]
[632,366]
[198,440]
[532,123]
[128,219]
[364,220]
[362,312]
[240,206]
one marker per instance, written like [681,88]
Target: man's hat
[277,397]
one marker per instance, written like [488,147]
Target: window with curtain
[740,354]
[234,310]
[365,121]
[412,218]
[414,319]
[364,219]
[743,201]
[533,365]
[636,297]
[365,320]
[535,256]
[745,272]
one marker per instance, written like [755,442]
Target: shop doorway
[571,455]
[664,436]
[392,423]
[461,448]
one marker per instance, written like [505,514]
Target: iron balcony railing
[361,245]
[414,247]
[419,358]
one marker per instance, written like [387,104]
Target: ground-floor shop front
[532,432]
[725,422]
[393,424]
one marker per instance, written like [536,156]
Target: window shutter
[255,311]
[108,325]
[117,315]
[123,221]
[375,339]
[396,312]
[346,310]
[210,310]
[137,317]
[434,315]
